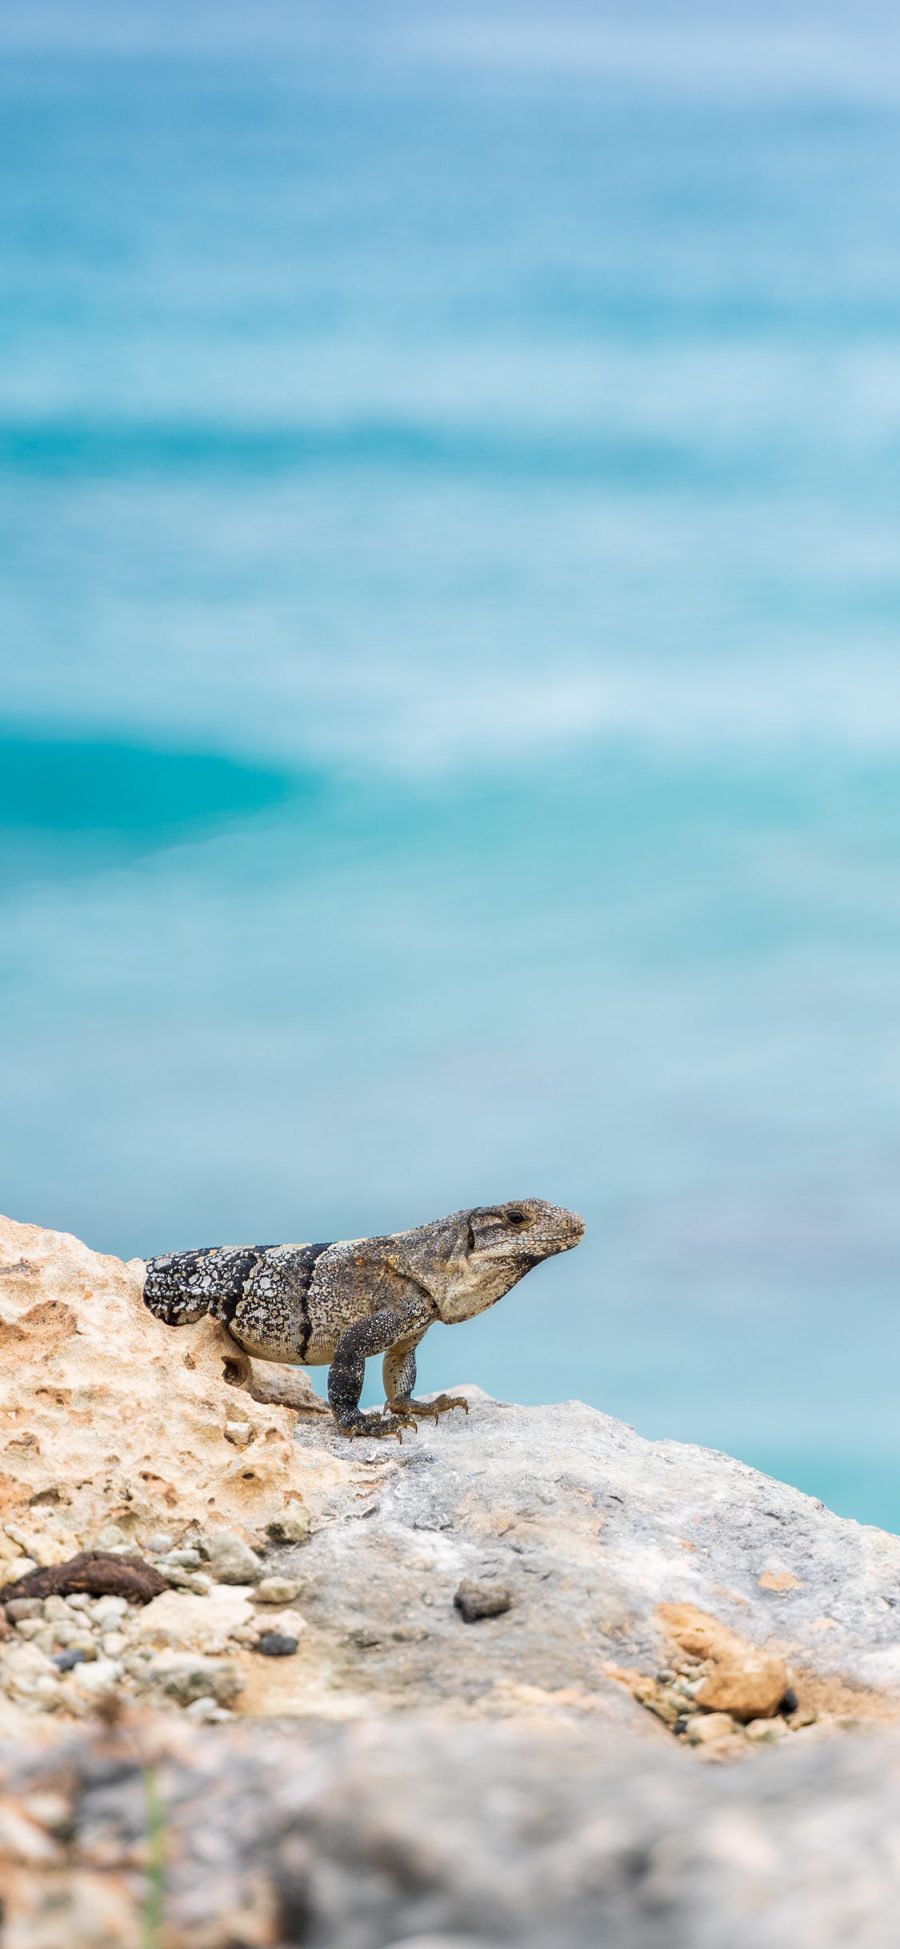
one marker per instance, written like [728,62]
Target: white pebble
[108,1610]
[99,1677]
[207,1711]
[239,1433]
[57,1608]
[277,1590]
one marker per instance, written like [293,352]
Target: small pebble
[207,1711]
[291,1527]
[708,1727]
[239,1433]
[766,1731]
[100,1676]
[65,1661]
[110,1538]
[159,1544]
[186,1559]
[57,1609]
[19,1607]
[108,1610]
[277,1590]
[29,1627]
[230,1559]
[475,1601]
[276,1644]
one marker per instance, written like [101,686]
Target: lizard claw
[413,1411]
[445,1403]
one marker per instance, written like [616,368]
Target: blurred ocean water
[449,607]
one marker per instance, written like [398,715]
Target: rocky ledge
[600,1609]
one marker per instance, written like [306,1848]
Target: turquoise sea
[449,619]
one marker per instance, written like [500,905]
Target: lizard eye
[517,1219]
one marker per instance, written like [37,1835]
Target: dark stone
[65,1660]
[474,1601]
[98,1573]
[277,1644]
[790,1701]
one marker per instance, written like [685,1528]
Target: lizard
[338,1303]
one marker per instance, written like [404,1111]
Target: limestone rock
[230,1559]
[474,1601]
[276,1590]
[107,1417]
[182,1618]
[741,1679]
[184,1679]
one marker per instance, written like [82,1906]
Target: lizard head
[495,1245]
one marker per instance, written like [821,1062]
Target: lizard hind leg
[266,1382]
[399,1373]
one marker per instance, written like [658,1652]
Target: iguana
[309,1305]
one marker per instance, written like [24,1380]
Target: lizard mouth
[575,1228]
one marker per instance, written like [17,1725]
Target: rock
[91,1571]
[65,1661]
[231,1560]
[474,1601]
[193,1580]
[160,1543]
[240,1433]
[57,1609]
[184,1679]
[155,1402]
[110,1537]
[22,1607]
[706,1727]
[206,1711]
[293,1526]
[201,1622]
[276,1644]
[766,1731]
[741,1679]
[277,1590]
[108,1610]
[100,1676]
[489,1833]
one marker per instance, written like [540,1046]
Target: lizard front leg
[375,1333]
[399,1372]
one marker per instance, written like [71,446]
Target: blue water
[449,607]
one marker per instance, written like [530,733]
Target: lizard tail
[180,1287]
